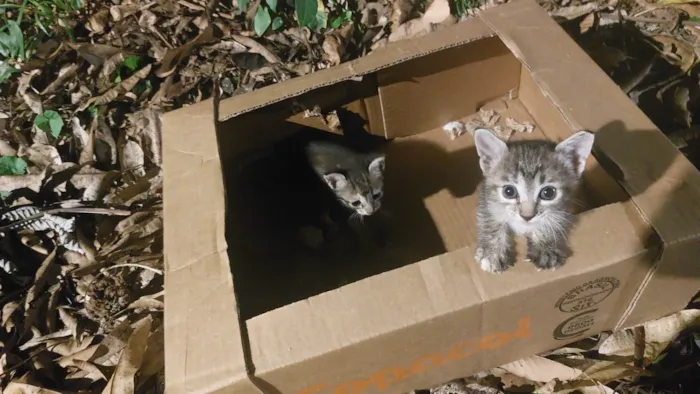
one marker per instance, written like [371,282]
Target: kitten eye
[548,193]
[510,192]
[356,204]
[377,195]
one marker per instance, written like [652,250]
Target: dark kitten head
[530,184]
[356,179]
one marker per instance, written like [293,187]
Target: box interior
[430,181]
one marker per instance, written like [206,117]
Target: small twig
[135,265]
[639,345]
[94,211]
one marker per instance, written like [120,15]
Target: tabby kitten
[528,190]
[357,180]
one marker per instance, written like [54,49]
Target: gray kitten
[528,190]
[357,180]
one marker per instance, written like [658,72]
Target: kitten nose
[527,216]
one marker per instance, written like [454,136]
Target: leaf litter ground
[84,86]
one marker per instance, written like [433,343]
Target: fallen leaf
[147,130]
[98,21]
[66,72]
[44,275]
[105,147]
[437,12]
[122,381]
[540,369]
[677,52]
[331,47]
[132,158]
[42,155]
[575,11]
[95,54]
[9,183]
[587,22]
[681,97]
[658,333]
[122,88]
[26,388]
[12,165]
[154,359]
[174,56]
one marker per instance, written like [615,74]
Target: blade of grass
[20,15]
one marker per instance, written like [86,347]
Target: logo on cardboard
[575,325]
[587,295]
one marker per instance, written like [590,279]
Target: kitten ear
[576,149]
[376,166]
[335,181]
[490,149]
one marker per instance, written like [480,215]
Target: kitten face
[357,180]
[360,189]
[530,184]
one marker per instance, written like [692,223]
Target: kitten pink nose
[527,216]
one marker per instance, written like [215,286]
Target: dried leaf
[332,49]
[9,183]
[95,54]
[105,146]
[147,303]
[676,51]
[26,388]
[658,333]
[122,88]
[66,72]
[122,380]
[575,11]
[147,130]
[8,311]
[174,56]
[587,22]
[132,158]
[681,97]
[258,48]
[42,276]
[437,12]
[540,369]
[42,155]
[98,21]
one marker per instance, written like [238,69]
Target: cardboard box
[424,313]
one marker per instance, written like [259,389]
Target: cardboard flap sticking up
[201,305]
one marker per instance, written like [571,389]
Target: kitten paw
[550,260]
[493,263]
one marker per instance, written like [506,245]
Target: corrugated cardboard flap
[201,312]
[393,53]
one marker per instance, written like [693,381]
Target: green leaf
[695,19]
[306,11]
[12,165]
[277,23]
[132,62]
[17,39]
[320,22]
[94,111]
[272,4]
[243,4]
[49,122]
[262,20]
[6,71]
[341,19]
